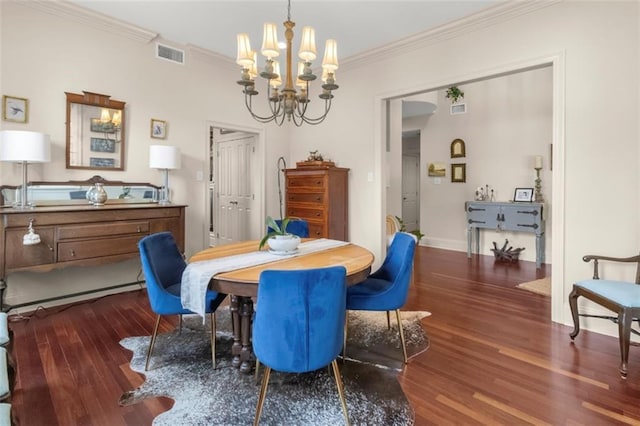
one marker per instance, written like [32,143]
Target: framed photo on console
[523,195]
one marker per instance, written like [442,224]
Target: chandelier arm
[318,120]
[247,102]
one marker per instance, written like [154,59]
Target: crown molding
[93,19]
[494,15]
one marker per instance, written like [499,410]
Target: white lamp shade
[164,157]
[330,61]
[22,145]
[245,55]
[270,47]
[308,46]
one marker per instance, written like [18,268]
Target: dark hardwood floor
[495,357]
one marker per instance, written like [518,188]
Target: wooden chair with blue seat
[387,288]
[299,324]
[163,264]
[621,297]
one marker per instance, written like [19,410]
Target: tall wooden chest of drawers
[320,195]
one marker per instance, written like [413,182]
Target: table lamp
[164,157]
[24,147]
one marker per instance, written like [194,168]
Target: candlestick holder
[538,186]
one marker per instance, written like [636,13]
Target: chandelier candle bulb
[538,162]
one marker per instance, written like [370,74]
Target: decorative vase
[284,244]
[97,195]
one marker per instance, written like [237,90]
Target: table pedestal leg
[235,325]
[246,353]
[241,316]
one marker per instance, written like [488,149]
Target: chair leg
[404,346]
[212,317]
[257,369]
[180,325]
[263,393]
[573,304]
[344,343]
[343,401]
[388,321]
[152,342]
[625,319]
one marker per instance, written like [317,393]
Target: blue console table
[517,217]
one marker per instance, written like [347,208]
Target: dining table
[242,284]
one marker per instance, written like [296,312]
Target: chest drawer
[307,181]
[102,229]
[316,230]
[307,197]
[87,249]
[307,213]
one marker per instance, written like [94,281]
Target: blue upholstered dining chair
[163,264]
[387,288]
[299,227]
[620,297]
[299,324]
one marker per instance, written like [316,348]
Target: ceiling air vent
[169,53]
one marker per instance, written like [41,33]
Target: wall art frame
[458,172]
[15,109]
[458,149]
[158,129]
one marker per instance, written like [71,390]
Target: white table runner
[196,277]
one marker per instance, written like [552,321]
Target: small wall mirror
[95,132]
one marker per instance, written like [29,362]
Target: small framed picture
[523,195]
[158,129]
[458,172]
[457,148]
[15,109]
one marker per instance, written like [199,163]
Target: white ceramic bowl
[283,243]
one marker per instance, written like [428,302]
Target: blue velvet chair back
[299,322]
[299,227]
[162,264]
[397,268]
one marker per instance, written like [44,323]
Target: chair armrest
[596,258]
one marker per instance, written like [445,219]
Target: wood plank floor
[494,358]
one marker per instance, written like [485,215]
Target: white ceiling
[358,26]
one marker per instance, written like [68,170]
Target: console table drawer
[87,249]
[102,230]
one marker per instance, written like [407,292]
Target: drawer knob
[317,198]
[49,247]
[318,214]
[73,253]
[319,182]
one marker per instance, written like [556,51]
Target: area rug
[541,286]
[181,369]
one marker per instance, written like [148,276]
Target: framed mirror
[95,132]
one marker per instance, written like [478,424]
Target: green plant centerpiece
[277,238]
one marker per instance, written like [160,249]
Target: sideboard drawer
[20,256]
[308,213]
[87,249]
[102,229]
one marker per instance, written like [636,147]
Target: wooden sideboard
[518,217]
[81,235]
[320,195]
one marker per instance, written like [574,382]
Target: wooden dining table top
[244,281]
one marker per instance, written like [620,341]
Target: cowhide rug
[181,369]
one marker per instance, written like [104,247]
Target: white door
[410,176]
[234,188]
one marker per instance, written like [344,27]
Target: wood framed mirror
[95,132]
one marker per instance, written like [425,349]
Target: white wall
[508,123]
[595,128]
[595,46]
[45,53]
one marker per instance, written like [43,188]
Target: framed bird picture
[15,109]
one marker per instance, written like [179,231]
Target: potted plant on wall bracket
[278,239]
[454,93]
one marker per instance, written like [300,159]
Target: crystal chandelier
[287,102]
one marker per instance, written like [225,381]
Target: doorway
[233,205]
